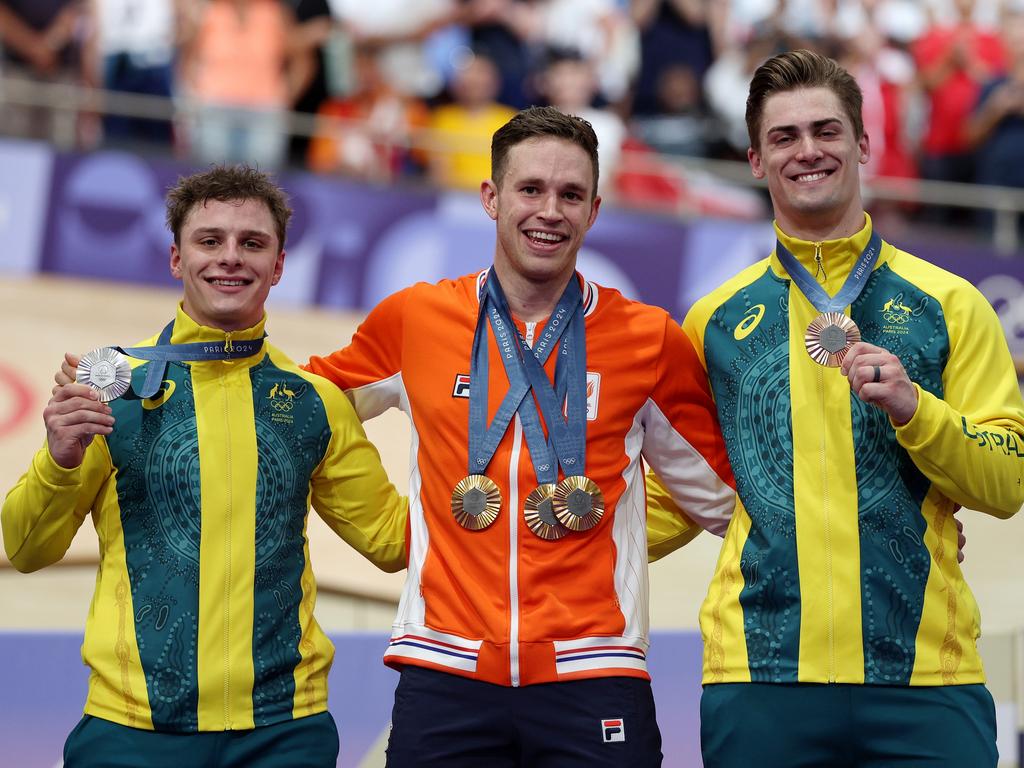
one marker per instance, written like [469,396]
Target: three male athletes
[523,621]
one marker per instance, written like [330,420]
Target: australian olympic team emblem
[896,313]
[282,399]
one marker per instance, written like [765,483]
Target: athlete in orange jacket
[511,591]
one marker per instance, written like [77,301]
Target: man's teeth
[549,237]
[812,176]
[228,282]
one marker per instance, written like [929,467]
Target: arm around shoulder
[369,364]
[683,444]
[668,527]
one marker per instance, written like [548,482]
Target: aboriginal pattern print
[897,315]
[292,436]
[156,452]
[747,348]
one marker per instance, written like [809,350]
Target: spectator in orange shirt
[244,67]
[370,132]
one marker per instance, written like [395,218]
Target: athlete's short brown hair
[225,183]
[538,123]
[792,70]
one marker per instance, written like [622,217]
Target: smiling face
[809,153]
[544,204]
[228,258]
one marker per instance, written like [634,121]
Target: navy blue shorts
[440,719]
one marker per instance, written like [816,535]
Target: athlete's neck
[528,300]
[817,230]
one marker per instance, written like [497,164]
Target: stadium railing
[66,101]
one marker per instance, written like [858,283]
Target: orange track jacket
[501,604]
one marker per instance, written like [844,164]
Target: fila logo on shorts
[613,730]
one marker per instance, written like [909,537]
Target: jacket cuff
[921,427]
[53,474]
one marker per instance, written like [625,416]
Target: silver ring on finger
[878,374]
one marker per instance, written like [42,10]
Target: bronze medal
[476,502]
[540,514]
[578,503]
[107,371]
[829,338]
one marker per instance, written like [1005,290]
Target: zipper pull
[229,345]
[820,262]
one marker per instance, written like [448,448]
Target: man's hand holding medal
[878,378]
[75,414]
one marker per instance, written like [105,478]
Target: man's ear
[754,158]
[175,262]
[594,208]
[278,268]
[489,198]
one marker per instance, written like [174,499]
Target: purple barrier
[351,244]
[24,190]
[43,685]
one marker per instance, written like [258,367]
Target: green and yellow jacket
[202,618]
[840,562]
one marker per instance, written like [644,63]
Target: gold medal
[578,503]
[107,371]
[829,337]
[476,502]
[540,514]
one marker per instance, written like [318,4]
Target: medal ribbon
[568,435]
[562,318]
[164,352]
[483,440]
[851,289]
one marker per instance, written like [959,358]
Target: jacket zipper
[513,550]
[513,536]
[227,560]
[825,502]
[820,262]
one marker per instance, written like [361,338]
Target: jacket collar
[589,290]
[186,330]
[837,257]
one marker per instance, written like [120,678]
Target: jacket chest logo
[282,401]
[461,389]
[750,321]
[897,316]
[162,396]
[593,394]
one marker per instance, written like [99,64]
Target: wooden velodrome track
[43,317]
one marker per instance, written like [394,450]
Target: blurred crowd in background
[415,88]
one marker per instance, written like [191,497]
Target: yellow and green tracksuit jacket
[202,618]
[840,562]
